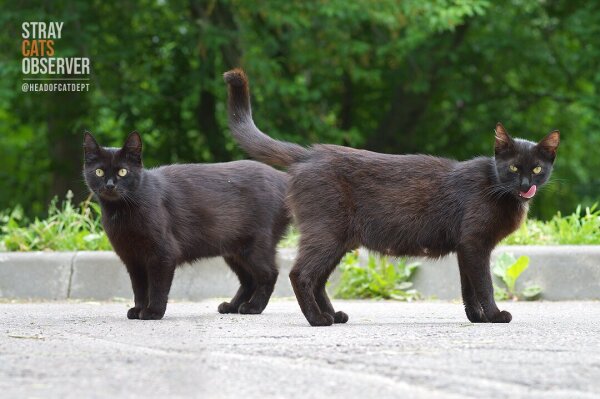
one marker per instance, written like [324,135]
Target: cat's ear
[503,140]
[91,149]
[549,144]
[133,147]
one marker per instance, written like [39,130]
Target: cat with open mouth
[402,205]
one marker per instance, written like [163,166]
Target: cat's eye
[122,172]
[537,170]
[513,168]
[99,172]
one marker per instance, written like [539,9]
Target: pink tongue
[530,193]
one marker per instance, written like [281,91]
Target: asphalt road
[415,350]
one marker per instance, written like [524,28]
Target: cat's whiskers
[133,202]
[551,183]
[495,191]
[127,201]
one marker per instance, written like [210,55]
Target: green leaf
[532,292]
[503,262]
[514,271]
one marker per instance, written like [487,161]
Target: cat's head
[523,166]
[112,174]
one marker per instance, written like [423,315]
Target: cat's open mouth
[530,193]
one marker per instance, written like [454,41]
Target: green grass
[380,278]
[578,228]
[67,228]
[290,239]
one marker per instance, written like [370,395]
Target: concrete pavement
[387,350]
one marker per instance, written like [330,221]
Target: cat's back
[228,188]
[244,167]
[221,202]
[370,184]
[373,168]
[219,176]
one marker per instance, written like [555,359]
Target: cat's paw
[249,308]
[501,317]
[476,315]
[133,313]
[340,317]
[321,320]
[149,314]
[226,307]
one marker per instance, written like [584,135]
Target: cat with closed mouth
[157,219]
[402,205]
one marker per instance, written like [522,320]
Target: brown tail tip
[236,77]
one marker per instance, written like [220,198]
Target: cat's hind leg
[247,286]
[316,260]
[323,299]
[325,304]
[260,262]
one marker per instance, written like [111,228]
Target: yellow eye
[537,170]
[513,168]
[122,172]
[99,172]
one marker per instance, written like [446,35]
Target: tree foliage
[392,76]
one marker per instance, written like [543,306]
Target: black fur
[157,219]
[415,205]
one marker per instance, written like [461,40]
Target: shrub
[381,278]
[509,269]
[67,228]
[577,228]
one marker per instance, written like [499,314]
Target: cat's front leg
[474,263]
[160,278]
[139,284]
[472,306]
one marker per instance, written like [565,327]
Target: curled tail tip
[236,77]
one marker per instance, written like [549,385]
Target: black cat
[415,205]
[157,219]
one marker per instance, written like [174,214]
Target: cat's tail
[257,144]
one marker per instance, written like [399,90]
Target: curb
[564,272]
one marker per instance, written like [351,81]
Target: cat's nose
[110,184]
[525,184]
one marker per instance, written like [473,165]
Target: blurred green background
[391,76]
